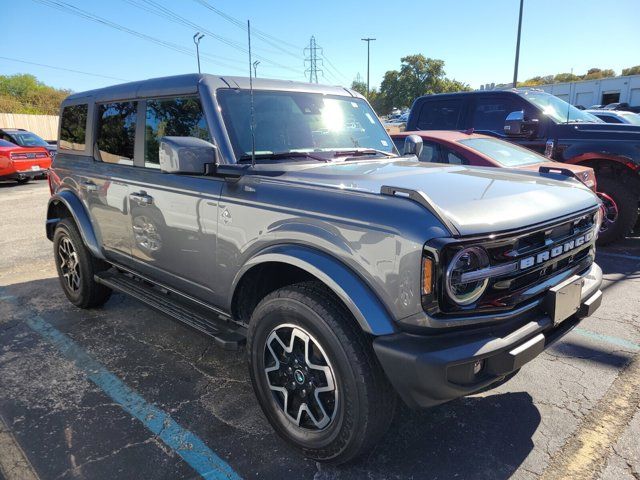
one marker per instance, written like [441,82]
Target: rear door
[440,113]
[174,217]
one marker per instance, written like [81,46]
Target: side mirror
[186,155]
[515,125]
[413,145]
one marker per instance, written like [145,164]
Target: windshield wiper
[362,151]
[282,155]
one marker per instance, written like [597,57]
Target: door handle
[141,198]
[89,186]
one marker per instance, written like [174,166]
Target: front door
[174,217]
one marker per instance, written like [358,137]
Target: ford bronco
[281,219]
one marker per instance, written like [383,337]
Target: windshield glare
[558,109]
[29,139]
[506,154]
[300,122]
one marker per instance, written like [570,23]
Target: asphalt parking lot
[124,392]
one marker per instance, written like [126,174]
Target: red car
[22,164]
[467,148]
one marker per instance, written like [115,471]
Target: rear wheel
[315,374]
[620,205]
[76,267]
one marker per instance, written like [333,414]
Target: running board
[224,333]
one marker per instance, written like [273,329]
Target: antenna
[569,102]
[253,126]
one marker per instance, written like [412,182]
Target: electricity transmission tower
[311,59]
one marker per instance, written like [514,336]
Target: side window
[610,119]
[453,158]
[429,152]
[116,133]
[73,127]
[490,113]
[399,143]
[180,117]
[440,114]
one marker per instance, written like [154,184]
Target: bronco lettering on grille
[555,251]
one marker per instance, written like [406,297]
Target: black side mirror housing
[516,125]
[186,155]
[413,145]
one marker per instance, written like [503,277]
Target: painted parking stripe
[621,342]
[185,443]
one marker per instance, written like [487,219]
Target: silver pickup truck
[281,219]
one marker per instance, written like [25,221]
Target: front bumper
[429,370]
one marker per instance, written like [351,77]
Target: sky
[475,38]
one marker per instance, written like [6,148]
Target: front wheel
[315,374]
[620,205]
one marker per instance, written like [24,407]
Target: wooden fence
[45,126]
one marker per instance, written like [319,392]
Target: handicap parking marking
[183,442]
[620,342]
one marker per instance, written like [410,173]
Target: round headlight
[465,261]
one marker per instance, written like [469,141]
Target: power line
[64,69]
[312,60]
[331,65]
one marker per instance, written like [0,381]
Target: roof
[444,135]
[188,84]
[13,130]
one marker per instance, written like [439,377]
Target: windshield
[632,118]
[300,122]
[28,139]
[506,154]
[558,109]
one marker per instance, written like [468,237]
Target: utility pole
[311,54]
[368,40]
[255,68]
[196,39]
[515,68]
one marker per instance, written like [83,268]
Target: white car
[616,116]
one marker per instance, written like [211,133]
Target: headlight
[466,260]
[598,219]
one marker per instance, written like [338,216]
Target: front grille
[529,280]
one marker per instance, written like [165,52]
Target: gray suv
[283,217]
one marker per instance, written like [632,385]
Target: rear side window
[73,127]
[490,113]
[180,117]
[116,133]
[440,114]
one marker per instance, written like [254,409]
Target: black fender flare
[80,216]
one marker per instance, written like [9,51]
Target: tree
[23,93]
[631,70]
[418,75]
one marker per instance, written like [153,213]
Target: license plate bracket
[563,300]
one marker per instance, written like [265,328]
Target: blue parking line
[621,342]
[182,441]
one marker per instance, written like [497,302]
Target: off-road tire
[89,293]
[366,400]
[627,201]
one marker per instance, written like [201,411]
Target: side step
[225,334]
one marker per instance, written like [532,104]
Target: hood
[584,174]
[475,200]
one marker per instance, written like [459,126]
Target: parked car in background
[468,148]
[353,275]
[26,139]
[22,164]
[616,116]
[550,126]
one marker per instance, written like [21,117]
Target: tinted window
[440,114]
[609,118]
[490,113]
[429,152]
[453,158]
[180,117]
[116,133]
[28,139]
[4,143]
[73,127]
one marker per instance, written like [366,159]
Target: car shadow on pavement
[474,437]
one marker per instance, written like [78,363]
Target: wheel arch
[287,264]
[66,204]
